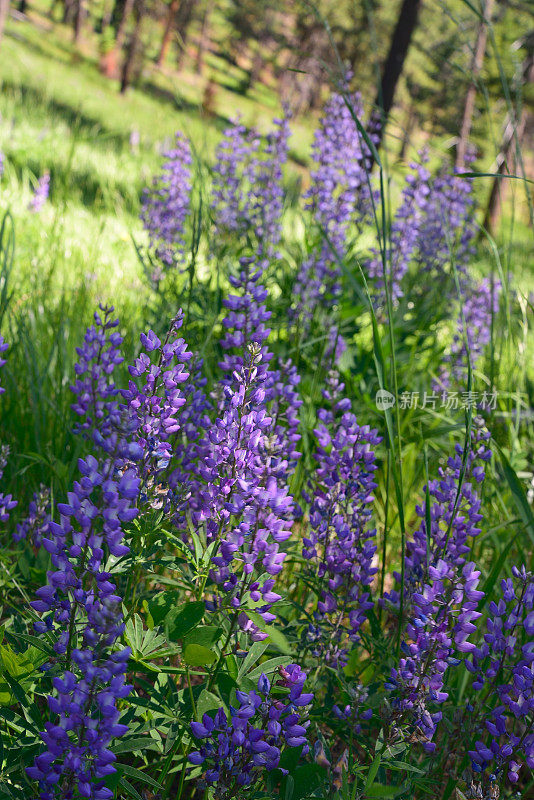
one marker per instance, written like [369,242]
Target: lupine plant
[235,592]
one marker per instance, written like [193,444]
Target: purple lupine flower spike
[36,524]
[235,752]
[338,196]
[503,668]
[166,204]
[405,233]
[247,186]
[454,520]
[245,509]
[95,389]
[7,504]
[340,544]
[441,620]
[479,304]
[40,194]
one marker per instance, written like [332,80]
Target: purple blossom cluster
[166,205]
[405,233]
[82,608]
[479,305]
[7,504]
[447,232]
[79,603]
[244,323]
[441,620]
[246,511]
[339,196]
[503,669]
[40,193]
[236,751]
[36,524]
[155,401]
[453,511]
[247,186]
[95,389]
[339,543]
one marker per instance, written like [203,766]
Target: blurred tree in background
[435,67]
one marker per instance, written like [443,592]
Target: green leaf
[181,620]
[378,790]
[132,772]
[206,635]
[129,789]
[160,605]
[198,656]
[277,637]
[405,766]
[254,654]
[135,743]
[268,666]
[373,769]
[144,643]
[307,779]
[207,701]
[518,494]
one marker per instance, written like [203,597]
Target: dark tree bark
[23,5]
[203,38]
[105,20]
[507,160]
[475,69]
[78,20]
[398,50]
[4,11]
[184,17]
[133,51]
[117,12]
[121,30]
[168,31]
[69,12]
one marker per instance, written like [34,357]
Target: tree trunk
[23,6]
[121,30]
[203,40]
[167,33]
[117,10]
[133,49]
[80,13]
[4,11]
[474,71]
[398,50]
[69,12]
[105,20]
[408,130]
[508,155]
[184,17]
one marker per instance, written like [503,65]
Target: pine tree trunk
[4,11]
[398,50]
[121,30]
[167,33]
[183,20]
[132,50]
[80,13]
[475,69]
[203,40]
[69,12]
[507,160]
